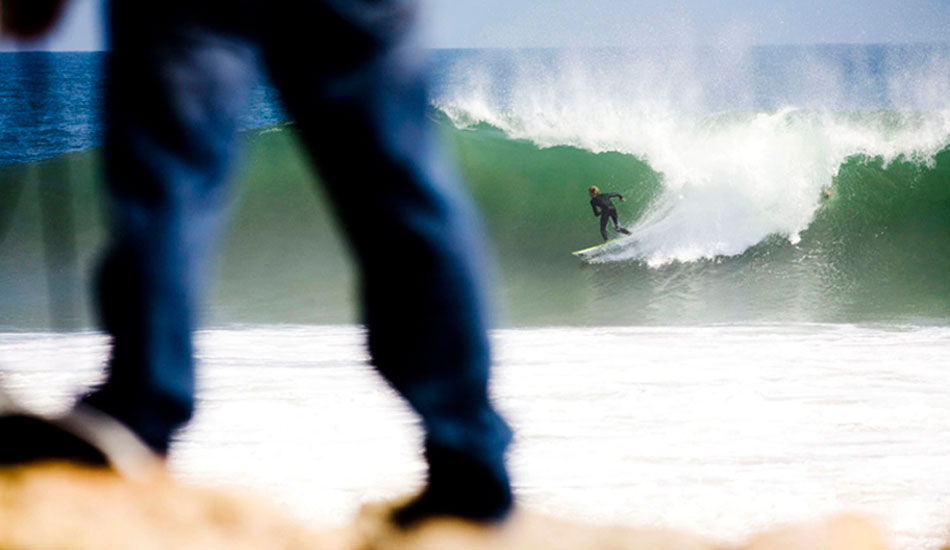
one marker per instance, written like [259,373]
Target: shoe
[28,438]
[459,486]
[83,435]
[433,503]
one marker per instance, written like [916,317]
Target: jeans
[352,79]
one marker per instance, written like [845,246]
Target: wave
[877,250]
[724,176]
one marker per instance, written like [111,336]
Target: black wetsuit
[606,210]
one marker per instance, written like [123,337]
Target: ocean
[772,344]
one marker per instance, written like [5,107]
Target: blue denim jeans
[353,81]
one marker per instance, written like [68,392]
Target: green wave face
[876,246]
[877,250]
[882,241]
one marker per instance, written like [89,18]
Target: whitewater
[721,431]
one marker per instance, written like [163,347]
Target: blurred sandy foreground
[61,506]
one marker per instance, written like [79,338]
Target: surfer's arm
[594,206]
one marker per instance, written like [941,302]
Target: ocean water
[772,344]
[724,158]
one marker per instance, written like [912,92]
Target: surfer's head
[593,190]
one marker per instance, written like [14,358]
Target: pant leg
[361,111]
[175,86]
[603,224]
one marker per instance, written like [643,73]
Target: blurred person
[177,77]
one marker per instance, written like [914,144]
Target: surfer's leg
[613,216]
[422,261]
[603,225]
[174,92]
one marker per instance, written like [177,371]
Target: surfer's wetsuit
[606,210]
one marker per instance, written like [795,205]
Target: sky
[585,23]
[636,23]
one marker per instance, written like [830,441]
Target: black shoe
[459,486]
[83,435]
[28,438]
[433,503]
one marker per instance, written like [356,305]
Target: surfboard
[585,253]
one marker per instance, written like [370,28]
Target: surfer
[604,208]
[178,74]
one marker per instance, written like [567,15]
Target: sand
[61,506]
